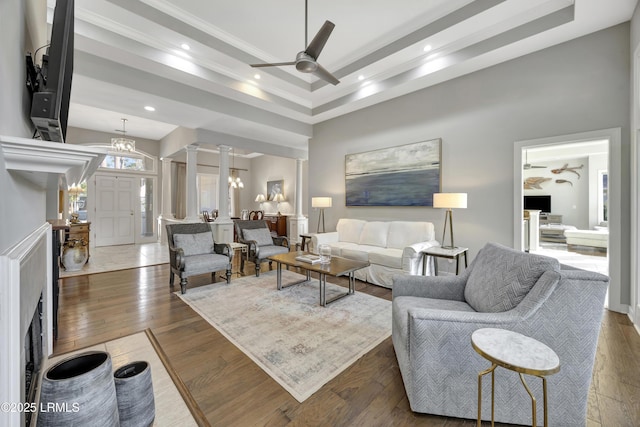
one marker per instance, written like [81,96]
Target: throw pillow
[194,244]
[262,236]
[501,277]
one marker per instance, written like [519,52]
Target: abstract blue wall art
[406,175]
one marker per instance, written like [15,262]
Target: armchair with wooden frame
[260,243]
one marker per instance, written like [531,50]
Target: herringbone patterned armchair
[434,317]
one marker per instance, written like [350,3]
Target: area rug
[287,333]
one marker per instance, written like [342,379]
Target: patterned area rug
[287,333]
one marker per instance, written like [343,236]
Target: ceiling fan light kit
[307,60]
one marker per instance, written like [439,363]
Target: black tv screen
[540,203]
[50,104]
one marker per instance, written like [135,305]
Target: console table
[79,231]
[277,224]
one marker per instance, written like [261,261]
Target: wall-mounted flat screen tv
[540,203]
[50,104]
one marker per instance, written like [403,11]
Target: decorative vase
[134,391]
[79,391]
[74,256]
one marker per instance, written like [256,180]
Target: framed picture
[406,175]
[273,188]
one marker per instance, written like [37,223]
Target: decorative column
[166,189]
[165,197]
[192,169]
[298,223]
[223,226]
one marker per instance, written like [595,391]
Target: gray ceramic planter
[134,390]
[79,391]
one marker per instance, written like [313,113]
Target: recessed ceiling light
[185,46]
[427,48]
[256,76]
[149,108]
[360,77]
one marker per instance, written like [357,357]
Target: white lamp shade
[321,202]
[260,198]
[450,200]
[279,198]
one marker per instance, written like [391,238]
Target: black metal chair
[192,250]
[260,243]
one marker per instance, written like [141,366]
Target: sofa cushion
[336,247]
[349,229]
[194,244]
[359,252]
[388,257]
[374,233]
[501,277]
[406,233]
[262,236]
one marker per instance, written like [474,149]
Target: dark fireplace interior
[33,351]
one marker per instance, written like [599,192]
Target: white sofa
[598,238]
[391,247]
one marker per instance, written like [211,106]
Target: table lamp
[278,198]
[321,203]
[260,199]
[449,201]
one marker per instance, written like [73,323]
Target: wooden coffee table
[336,267]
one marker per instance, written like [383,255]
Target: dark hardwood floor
[231,390]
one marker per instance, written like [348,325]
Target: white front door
[115,215]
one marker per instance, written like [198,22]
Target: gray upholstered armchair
[192,250]
[434,317]
[260,243]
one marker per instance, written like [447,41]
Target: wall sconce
[449,201]
[321,203]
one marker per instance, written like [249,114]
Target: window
[207,185]
[603,196]
[135,162]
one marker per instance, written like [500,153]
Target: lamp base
[449,247]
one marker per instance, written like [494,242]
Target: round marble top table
[518,353]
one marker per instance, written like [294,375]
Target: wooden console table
[277,224]
[79,231]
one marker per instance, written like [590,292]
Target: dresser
[277,224]
[79,231]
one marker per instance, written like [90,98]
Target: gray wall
[24,206]
[574,87]
[271,168]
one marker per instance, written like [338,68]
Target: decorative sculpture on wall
[563,181]
[534,182]
[566,168]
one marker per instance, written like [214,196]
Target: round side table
[517,353]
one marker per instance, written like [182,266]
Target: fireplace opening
[33,351]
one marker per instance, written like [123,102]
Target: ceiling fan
[528,165]
[306,61]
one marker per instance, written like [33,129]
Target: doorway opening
[570,173]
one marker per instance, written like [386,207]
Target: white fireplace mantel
[35,160]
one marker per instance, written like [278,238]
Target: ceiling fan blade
[538,167]
[318,42]
[273,64]
[325,75]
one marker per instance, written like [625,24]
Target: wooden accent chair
[256,215]
[260,243]
[192,250]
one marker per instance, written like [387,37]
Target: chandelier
[237,182]
[123,143]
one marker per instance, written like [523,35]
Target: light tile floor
[111,258]
[597,263]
